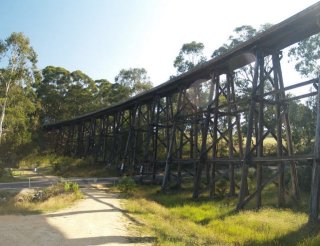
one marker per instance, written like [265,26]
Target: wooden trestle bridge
[193,123]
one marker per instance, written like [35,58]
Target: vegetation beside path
[176,219]
[34,201]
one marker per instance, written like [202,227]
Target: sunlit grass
[50,205]
[13,202]
[175,219]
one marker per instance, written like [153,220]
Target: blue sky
[101,37]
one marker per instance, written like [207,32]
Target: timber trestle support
[203,127]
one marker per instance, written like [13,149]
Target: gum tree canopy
[17,75]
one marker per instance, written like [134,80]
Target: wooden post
[155,138]
[230,137]
[315,185]
[203,153]
[128,146]
[209,108]
[216,81]
[260,134]
[247,158]
[179,178]
[146,148]
[135,139]
[281,189]
[106,141]
[172,137]
[293,169]
[80,139]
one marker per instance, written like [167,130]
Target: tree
[245,74]
[307,54]
[190,55]
[136,80]
[65,94]
[104,92]
[303,127]
[240,35]
[110,94]
[81,95]
[52,91]
[19,60]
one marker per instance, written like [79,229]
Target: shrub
[74,187]
[71,186]
[67,186]
[126,185]
[5,172]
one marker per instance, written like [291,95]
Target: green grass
[65,166]
[175,219]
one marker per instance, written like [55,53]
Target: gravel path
[95,220]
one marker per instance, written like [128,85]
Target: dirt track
[96,220]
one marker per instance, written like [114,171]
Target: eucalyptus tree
[306,54]
[17,75]
[190,55]
[66,94]
[134,80]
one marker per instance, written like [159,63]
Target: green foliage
[67,186]
[306,54]
[221,187]
[65,94]
[126,185]
[18,119]
[65,166]
[6,174]
[190,55]
[136,80]
[71,186]
[55,190]
[240,34]
[302,119]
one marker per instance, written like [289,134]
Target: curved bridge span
[194,124]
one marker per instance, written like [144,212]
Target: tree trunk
[3,111]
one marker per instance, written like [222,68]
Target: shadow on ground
[46,229]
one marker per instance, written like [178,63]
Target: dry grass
[52,204]
[12,202]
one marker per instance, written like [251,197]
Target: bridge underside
[201,124]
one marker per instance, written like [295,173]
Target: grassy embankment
[31,201]
[175,219]
[52,164]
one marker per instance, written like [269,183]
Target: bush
[55,190]
[67,186]
[74,187]
[71,186]
[126,185]
[6,172]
